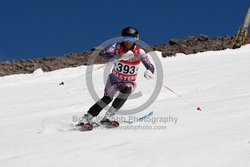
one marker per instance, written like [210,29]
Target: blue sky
[41,28]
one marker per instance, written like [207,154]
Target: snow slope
[36,113]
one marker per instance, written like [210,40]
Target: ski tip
[115,123]
[151,113]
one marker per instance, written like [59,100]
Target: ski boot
[108,121]
[84,123]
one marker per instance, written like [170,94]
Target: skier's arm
[146,62]
[109,53]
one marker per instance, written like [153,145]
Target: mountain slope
[36,113]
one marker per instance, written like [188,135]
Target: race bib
[126,70]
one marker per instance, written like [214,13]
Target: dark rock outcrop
[187,46]
[193,44]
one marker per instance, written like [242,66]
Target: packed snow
[37,116]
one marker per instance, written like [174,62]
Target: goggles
[129,39]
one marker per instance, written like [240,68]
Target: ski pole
[178,95]
[98,68]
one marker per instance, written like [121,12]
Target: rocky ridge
[187,46]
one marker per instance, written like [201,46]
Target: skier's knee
[106,99]
[126,90]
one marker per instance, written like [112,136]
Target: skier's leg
[118,102]
[109,92]
[122,98]
[95,110]
[98,106]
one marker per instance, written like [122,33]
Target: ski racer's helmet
[130,31]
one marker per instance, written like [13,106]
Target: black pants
[105,100]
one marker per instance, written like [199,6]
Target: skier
[126,57]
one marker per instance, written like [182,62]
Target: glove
[148,74]
[126,56]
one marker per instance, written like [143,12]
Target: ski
[109,125]
[93,125]
[140,119]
